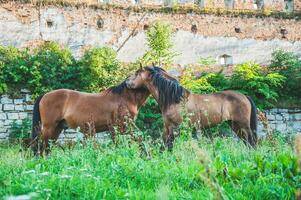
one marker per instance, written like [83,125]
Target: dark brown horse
[203,110]
[63,108]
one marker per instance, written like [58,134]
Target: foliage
[250,79]
[20,129]
[51,66]
[100,69]
[57,68]
[221,168]
[287,64]
[150,118]
[159,42]
[17,70]
[207,61]
[205,83]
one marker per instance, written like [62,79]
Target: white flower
[30,171]
[65,176]
[44,174]
[22,197]
[47,190]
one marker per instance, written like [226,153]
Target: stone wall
[245,38]
[282,120]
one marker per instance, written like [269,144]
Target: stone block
[18,101]
[25,91]
[297,116]
[23,115]
[12,116]
[286,116]
[8,122]
[279,117]
[19,107]
[273,111]
[3,130]
[5,99]
[271,117]
[28,98]
[282,110]
[29,107]
[8,107]
[3,136]
[281,127]
[3,116]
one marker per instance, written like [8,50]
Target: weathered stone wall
[282,120]
[244,38]
[13,110]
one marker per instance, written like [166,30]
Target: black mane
[118,89]
[170,91]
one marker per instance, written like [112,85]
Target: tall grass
[222,168]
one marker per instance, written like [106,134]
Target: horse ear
[153,64]
[141,66]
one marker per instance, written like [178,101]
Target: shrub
[287,64]
[100,69]
[17,70]
[249,79]
[57,68]
[206,83]
[150,118]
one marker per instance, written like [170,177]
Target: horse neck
[152,89]
[137,97]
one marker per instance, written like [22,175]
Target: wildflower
[22,197]
[47,190]
[65,177]
[44,174]
[30,171]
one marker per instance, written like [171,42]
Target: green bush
[150,118]
[51,67]
[17,71]
[100,69]
[249,79]
[287,64]
[57,68]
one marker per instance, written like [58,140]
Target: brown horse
[203,110]
[63,108]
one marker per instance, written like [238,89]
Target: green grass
[223,168]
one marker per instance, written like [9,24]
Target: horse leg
[245,133]
[49,132]
[240,132]
[168,136]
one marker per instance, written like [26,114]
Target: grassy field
[222,168]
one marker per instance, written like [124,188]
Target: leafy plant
[159,42]
[20,129]
[250,79]
[100,69]
[56,68]
[150,118]
[287,64]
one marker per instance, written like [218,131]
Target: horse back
[216,107]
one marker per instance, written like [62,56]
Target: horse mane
[118,89]
[169,89]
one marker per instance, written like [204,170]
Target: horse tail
[253,119]
[36,122]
